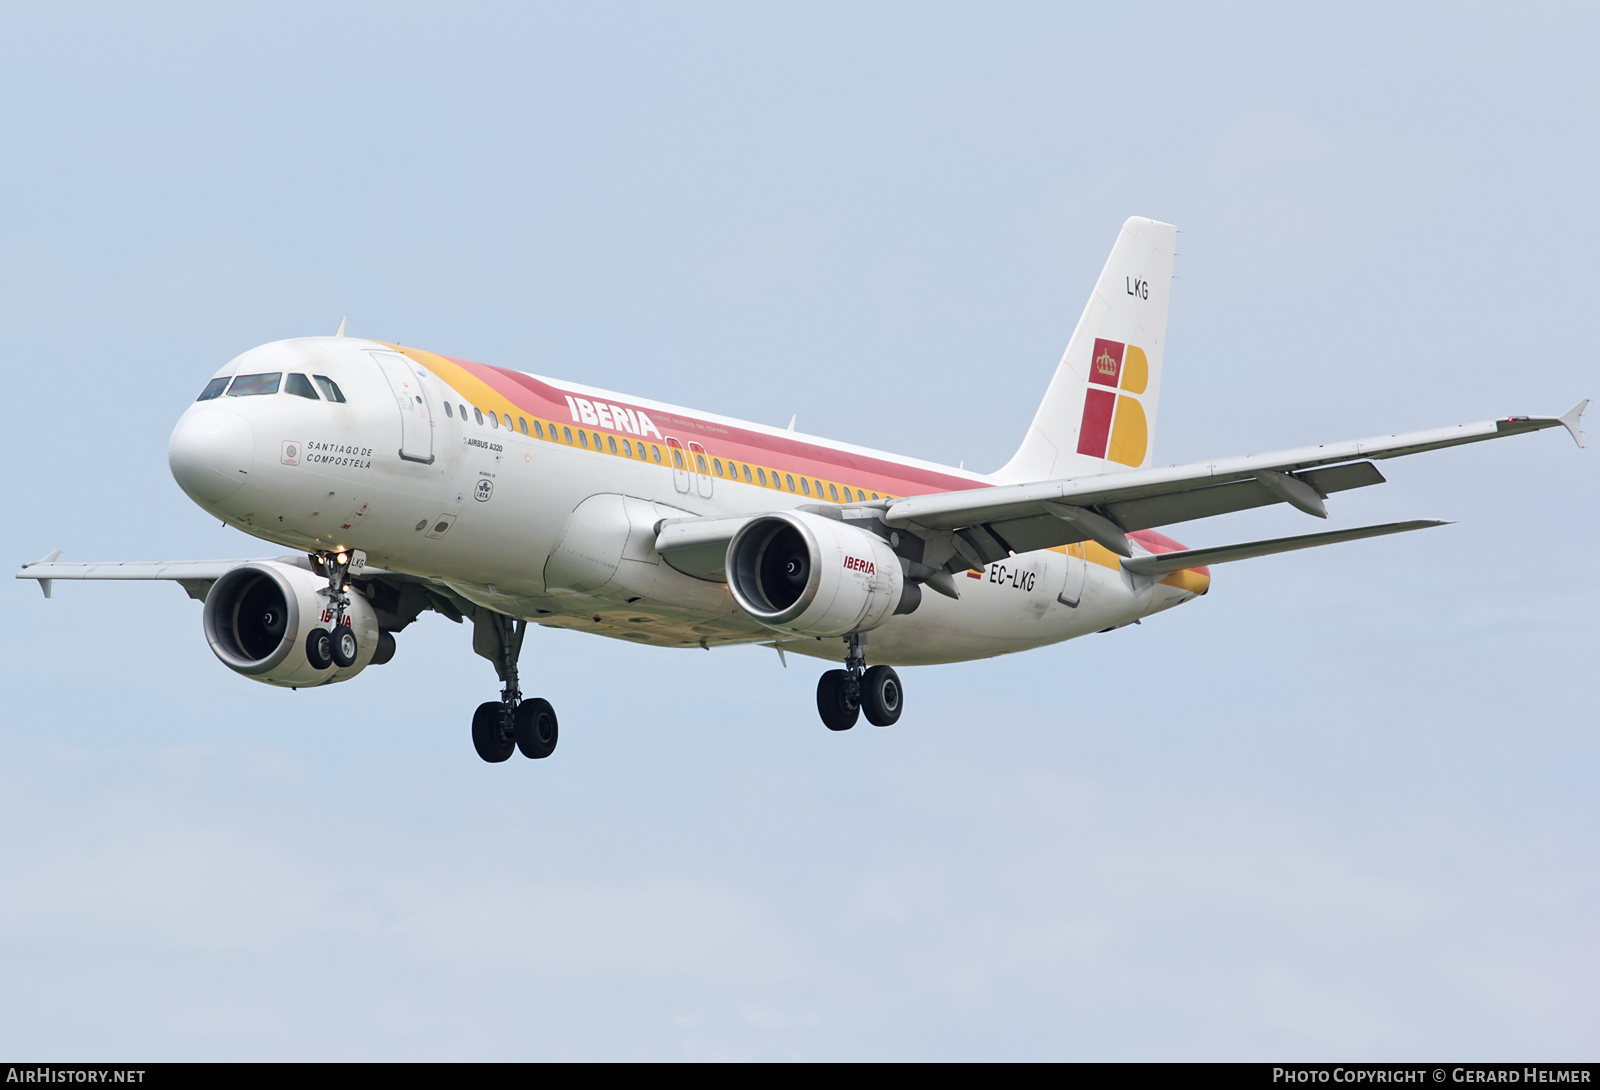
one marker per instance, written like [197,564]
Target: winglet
[341,328]
[46,584]
[1572,420]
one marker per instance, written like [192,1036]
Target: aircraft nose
[210,452]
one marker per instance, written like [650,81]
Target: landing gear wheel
[489,734]
[535,728]
[344,646]
[834,701]
[319,648]
[881,696]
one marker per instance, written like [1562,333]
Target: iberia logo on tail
[1114,424]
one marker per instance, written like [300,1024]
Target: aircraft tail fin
[1099,412]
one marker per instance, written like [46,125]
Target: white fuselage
[545,527]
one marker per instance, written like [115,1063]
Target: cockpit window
[213,389]
[330,388]
[300,386]
[252,385]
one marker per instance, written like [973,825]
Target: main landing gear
[842,695]
[325,649]
[501,727]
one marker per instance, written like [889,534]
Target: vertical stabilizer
[1099,414]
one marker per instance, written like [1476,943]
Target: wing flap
[1163,563]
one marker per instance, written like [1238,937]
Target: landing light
[343,558]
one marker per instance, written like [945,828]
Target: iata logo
[1114,426]
[865,566]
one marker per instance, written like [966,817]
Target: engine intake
[257,617]
[807,575]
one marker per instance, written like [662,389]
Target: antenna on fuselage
[341,328]
[791,421]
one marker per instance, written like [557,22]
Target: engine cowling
[811,576]
[257,617]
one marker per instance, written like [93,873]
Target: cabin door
[416,415]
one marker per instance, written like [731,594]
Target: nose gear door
[416,414]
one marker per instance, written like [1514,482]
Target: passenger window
[253,385]
[508,422]
[677,459]
[300,386]
[448,411]
[330,389]
[804,486]
[463,409]
[597,445]
[477,414]
[655,451]
[860,498]
[627,449]
[746,471]
[522,425]
[611,441]
[494,421]
[790,481]
[874,495]
[833,493]
[761,475]
[700,460]
[213,389]
[716,463]
[538,429]
[583,437]
[819,488]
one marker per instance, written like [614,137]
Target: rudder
[1099,412]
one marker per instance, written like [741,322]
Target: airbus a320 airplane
[408,481]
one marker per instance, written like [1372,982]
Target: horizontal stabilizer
[1195,558]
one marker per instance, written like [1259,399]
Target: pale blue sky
[1343,807]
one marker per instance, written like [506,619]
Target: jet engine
[812,576]
[257,617]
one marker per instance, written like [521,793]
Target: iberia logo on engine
[866,566]
[1114,425]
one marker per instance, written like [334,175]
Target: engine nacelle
[257,617]
[811,576]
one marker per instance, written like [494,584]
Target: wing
[987,524]
[195,576]
[396,598]
[975,527]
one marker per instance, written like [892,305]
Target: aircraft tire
[882,698]
[535,728]
[345,648]
[489,736]
[319,648]
[838,711]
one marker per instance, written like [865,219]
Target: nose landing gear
[325,649]
[842,695]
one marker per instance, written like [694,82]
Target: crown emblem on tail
[1105,363]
